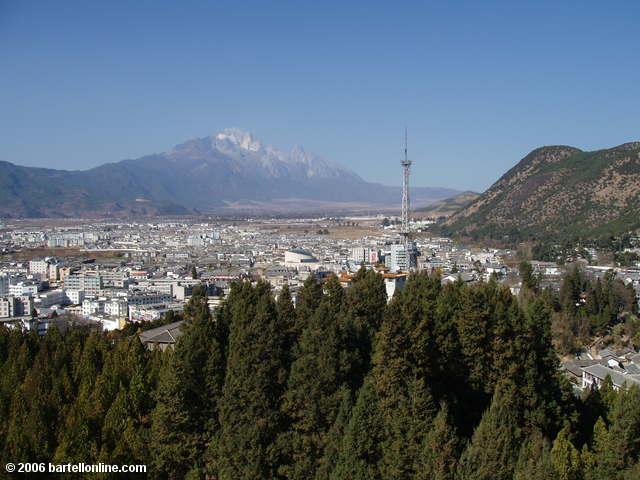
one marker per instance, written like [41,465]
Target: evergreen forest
[444,382]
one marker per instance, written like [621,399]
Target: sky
[478,84]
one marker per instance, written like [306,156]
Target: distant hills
[555,192]
[229,172]
[446,207]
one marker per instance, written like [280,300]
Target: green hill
[558,192]
[446,207]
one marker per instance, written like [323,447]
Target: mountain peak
[239,138]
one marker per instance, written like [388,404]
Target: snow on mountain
[231,167]
[245,153]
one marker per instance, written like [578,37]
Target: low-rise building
[594,375]
[162,337]
[90,282]
[52,297]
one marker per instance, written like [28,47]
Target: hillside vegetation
[560,192]
[446,207]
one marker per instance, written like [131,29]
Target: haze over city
[478,84]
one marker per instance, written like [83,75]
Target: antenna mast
[406,164]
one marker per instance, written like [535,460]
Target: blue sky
[479,84]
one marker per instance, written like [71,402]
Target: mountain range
[556,192]
[228,172]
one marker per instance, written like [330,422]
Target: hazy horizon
[479,85]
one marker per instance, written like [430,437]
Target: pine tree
[287,318]
[441,449]
[474,325]
[185,419]
[250,417]
[404,363]
[361,452]
[529,280]
[450,381]
[632,473]
[541,388]
[566,458]
[572,286]
[308,300]
[619,448]
[494,447]
[598,464]
[366,301]
[534,459]
[314,394]
[335,435]
[172,442]
[17,447]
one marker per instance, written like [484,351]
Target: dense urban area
[196,305]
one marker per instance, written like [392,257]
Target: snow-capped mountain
[244,151]
[228,169]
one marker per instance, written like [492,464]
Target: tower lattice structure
[406,165]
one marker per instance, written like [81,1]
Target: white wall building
[116,308]
[15,306]
[22,288]
[300,259]
[360,254]
[393,282]
[401,259]
[91,306]
[148,298]
[7,307]
[40,267]
[52,297]
[75,297]
[90,282]
[107,322]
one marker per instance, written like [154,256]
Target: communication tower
[406,165]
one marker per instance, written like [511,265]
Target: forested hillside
[444,382]
[558,192]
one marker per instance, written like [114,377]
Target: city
[319,240]
[105,275]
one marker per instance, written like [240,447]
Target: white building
[7,307]
[143,313]
[116,308]
[22,288]
[52,297]
[402,259]
[195,241]
[54,272]
[91,306]
[75,297]
[148,298]
[114,279]
[594,375]
[40,267]
[394,282]
[107,322]
[15,306]
[90,282]
[360,254]
[300,259]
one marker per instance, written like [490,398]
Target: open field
[31,253]
[352,233]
